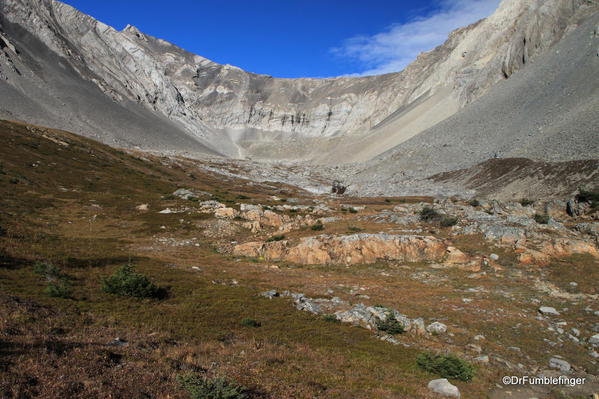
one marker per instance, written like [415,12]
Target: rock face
[349,249]
[223,109]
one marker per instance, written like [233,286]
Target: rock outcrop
[349,249]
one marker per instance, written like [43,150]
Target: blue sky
[294,38]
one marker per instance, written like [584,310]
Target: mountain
[548,111]
[62,68]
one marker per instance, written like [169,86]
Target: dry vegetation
[72,202]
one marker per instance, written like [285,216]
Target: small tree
[127,282]
[390,325]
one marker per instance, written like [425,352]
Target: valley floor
[275,288]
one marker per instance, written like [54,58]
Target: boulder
[594,340]
[444,388]
[436,328]
[418,326]
[455,256]
[548,311]
[210,206]
[572,208]
[185,194]
[559,364]
[358,315]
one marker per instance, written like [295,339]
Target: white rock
[437,328]
[548,310]
[559,364]
[594,340]
[444,387]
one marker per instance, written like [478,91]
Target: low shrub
[353,210]
[591,197]
[446,366]
[247,322]
[448,221]
[331,318]
[428,214]
[243,197]
[279,237]
[59,289]
[475,203]
[390,325]
[354,229]
[47,270]
[588,196]
[317,227]
[526,202]
[541,218]
[127,282]
[210,388]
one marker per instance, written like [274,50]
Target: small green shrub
[127,282]
[446,366]
[59,289]
[354,229]
[448,221]
[330,318]
[247,322]
[243,197]
[47,270]
[526,202]
[238,218]
[390,325]
[279,237]
[475,203]
[14,180]
[541,218]
[387,200]
[591,197]
[353,210]
[210,388]
[428,214]
[317,227]
[588,196]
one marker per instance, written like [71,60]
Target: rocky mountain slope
[547,111]
[130,89]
